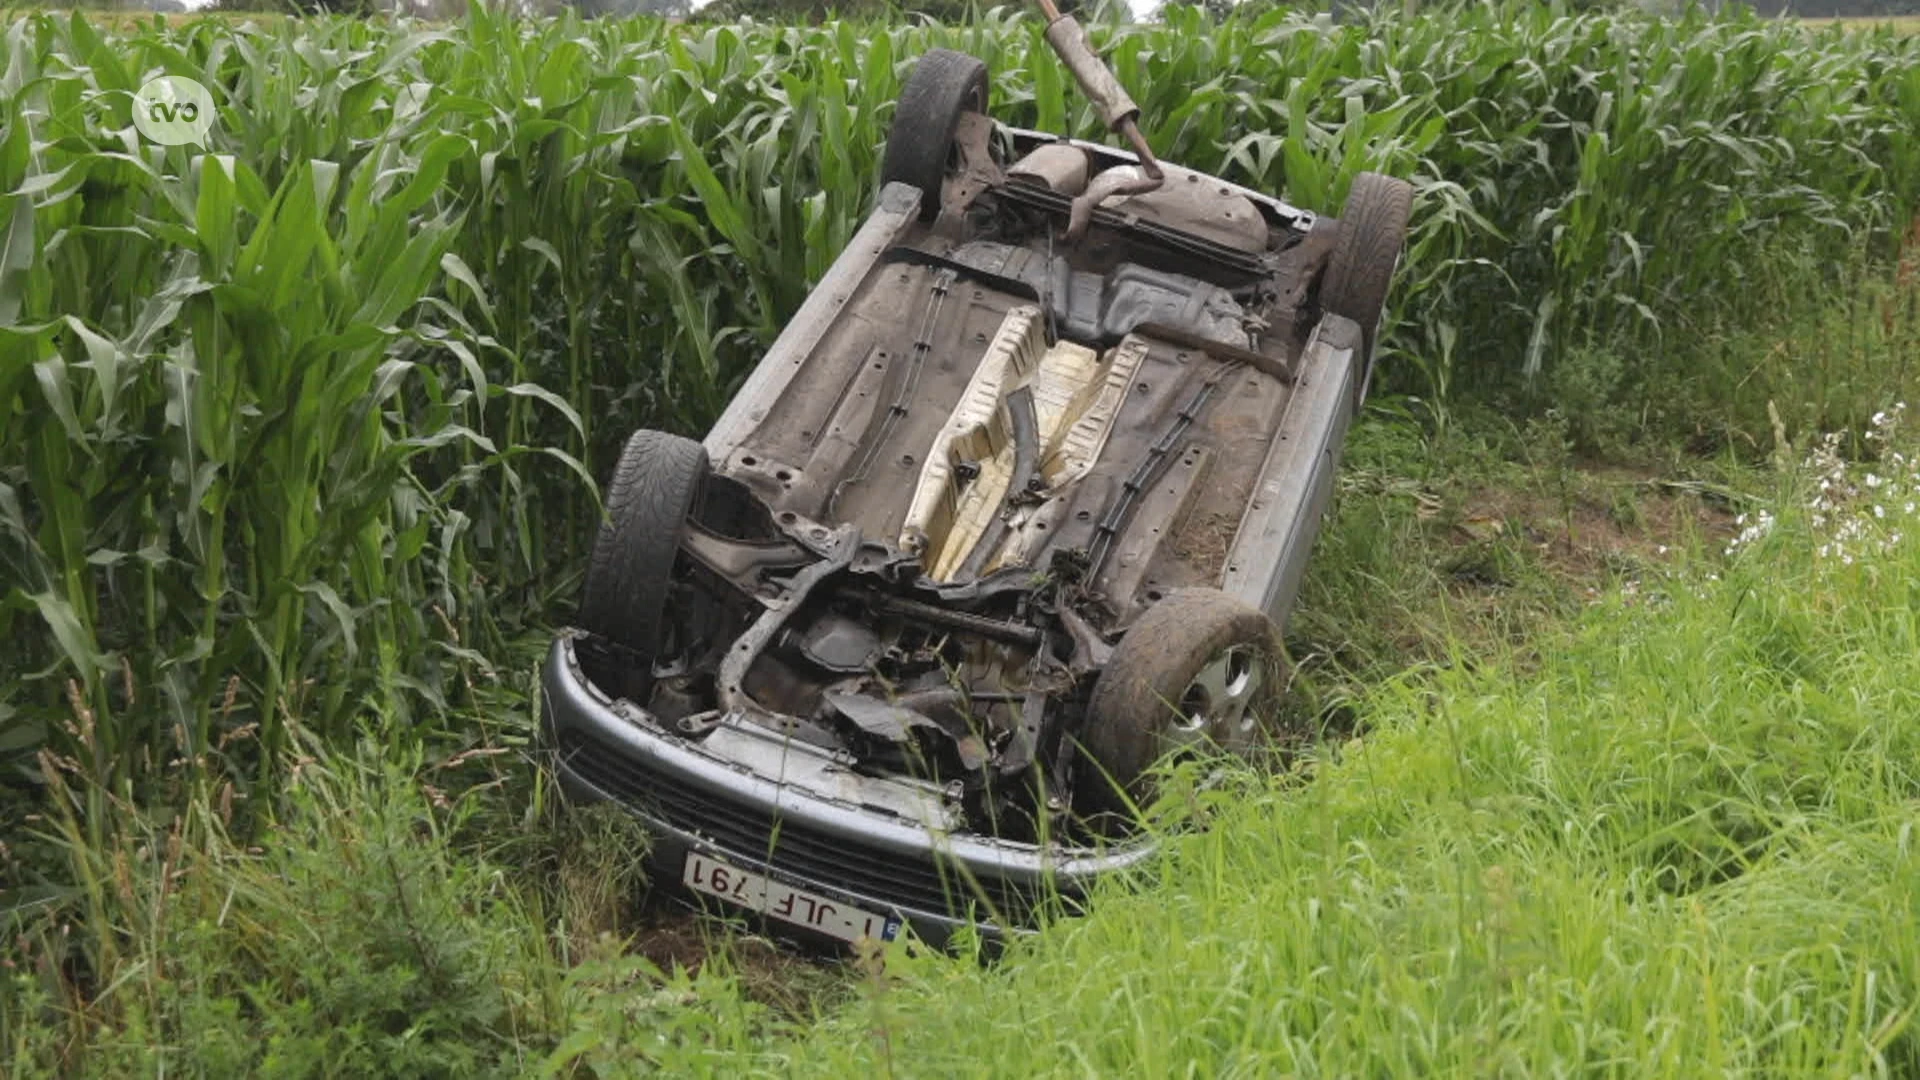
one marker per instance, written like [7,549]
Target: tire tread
[943,85]
[1152,665]
[629,574]
[1374,231]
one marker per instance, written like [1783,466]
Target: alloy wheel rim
[1216,706]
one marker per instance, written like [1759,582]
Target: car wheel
[1373,233]
[1195,671]
[655,486]
[920,147]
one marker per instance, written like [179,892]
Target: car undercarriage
[1014,507]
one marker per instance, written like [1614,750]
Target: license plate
[704,874]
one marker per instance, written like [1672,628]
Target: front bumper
[803,816]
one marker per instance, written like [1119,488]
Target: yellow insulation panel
[978,430]
[1077,394]
[1073,451]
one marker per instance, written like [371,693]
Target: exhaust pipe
[1097,82]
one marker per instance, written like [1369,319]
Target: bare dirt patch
[1602,523]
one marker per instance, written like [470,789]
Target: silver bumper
[803,816]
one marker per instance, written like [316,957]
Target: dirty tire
[1134,712]
[654,488]
[1373,233]
[943,85]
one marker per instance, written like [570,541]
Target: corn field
[301,425]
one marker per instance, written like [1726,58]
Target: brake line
[922,347]
[1147,472]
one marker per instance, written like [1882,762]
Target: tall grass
[354,939]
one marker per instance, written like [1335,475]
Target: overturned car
[1014,507]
